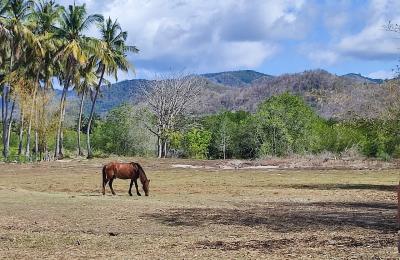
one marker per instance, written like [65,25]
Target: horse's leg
[105,180]
[137,188]
[104,186]
[111,188]
[130,188]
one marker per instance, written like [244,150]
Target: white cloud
[373,42]
[205,35]
[382,74]
[365,37]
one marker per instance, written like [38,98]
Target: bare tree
[168,99]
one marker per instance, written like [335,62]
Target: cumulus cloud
[357,32]
[205,35]
[373,42]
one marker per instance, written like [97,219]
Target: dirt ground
[55,210]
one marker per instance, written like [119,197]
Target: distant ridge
[239,78]
[362,79]
[245,89]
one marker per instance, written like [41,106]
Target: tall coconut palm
[45,17]
[5,37]
[87,78]
[113,58]
[74,53]
[33,71]
[17,13]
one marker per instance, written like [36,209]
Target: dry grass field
[55,210]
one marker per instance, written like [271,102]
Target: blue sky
[270,36]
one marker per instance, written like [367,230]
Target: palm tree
[45,16]
[113,58]
[86,80]
[73,54]
[36,35]
[33,71]
[5,38]
[15,15]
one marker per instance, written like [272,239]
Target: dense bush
[197,142]
[122,133]
[285,125]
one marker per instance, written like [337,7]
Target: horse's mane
[140,169]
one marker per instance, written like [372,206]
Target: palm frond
[91,19]
[132,49]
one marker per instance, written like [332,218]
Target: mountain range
[245,89]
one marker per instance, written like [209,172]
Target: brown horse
[125,171]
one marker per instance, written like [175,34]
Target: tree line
[42,42]
[283,125]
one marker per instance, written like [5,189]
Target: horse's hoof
[139,194]
[130,194]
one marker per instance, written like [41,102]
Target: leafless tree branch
[168,98]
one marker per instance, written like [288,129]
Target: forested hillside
[241,78]
[329,94]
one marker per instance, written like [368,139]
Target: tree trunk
[80,152]
[28,138]
[36,129]
[89,149]
[224,147]
[21,132]
[165,148]
[43,123]
[5,100]
[159,145]
[3,110]
[28,135]
[162,148]
[9,127]
[4,119]
[57,152]
[36,144]
[46,153]
[61,151]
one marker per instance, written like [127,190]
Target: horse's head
[146,187]
[143,178]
